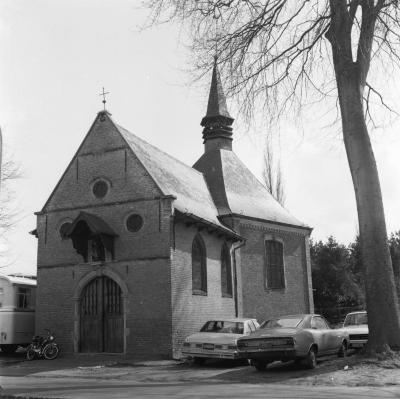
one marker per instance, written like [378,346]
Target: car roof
[359,312]
[293,316]
[236,320]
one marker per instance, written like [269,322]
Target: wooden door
[101,317]
[113,320]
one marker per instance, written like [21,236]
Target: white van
[17,311]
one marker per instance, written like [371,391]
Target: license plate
[208,347]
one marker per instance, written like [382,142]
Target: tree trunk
[381,296]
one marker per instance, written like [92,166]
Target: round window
[63,230]
[100,189]
[134,223]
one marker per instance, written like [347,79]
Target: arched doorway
[101,317]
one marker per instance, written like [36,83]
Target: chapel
[137,250]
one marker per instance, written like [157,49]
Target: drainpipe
[235,292]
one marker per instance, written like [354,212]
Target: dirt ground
[358,370]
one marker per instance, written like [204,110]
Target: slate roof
[216,101]
[237,191]
[175,178]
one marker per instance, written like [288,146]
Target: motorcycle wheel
[30,353]
[50,351]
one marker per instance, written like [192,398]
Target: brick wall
[258,301]
[103,153]
[142,259]
[190,312]
[147,312]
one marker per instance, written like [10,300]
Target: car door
[321,332]
[334,337]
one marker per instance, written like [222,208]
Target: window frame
[225,252]
[267,271]
[23,297]
[102,179]
[203,289]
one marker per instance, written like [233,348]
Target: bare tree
[272,174]
[8,212]
[279,50]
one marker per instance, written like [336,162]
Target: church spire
[217,123]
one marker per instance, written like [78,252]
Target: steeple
[217,132]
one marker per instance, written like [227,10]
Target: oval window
[63,230]
[100,189]
[134,223]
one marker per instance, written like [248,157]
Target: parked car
[301,337]
[217,339]
[356,325]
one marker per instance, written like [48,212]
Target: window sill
[199,292]
[275,289]
[227,295]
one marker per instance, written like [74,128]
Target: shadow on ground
[278,372]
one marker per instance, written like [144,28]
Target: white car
[217,339]
[356,324]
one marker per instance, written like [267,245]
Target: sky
[58,55]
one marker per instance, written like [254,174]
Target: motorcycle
[43,347]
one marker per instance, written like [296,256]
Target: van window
[24,298]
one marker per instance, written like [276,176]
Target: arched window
[199,267]
[226,272]
[275,273]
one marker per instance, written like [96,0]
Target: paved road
[87,389]
[86,377]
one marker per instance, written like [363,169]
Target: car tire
[342,350]
[259,365]
[8,348]
[199,360]
[311,358]
[30,353]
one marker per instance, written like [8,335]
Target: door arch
[101,316]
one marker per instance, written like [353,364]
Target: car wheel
[199,360]
[30,353]
[311,358]
[259,365]
[343,350]
[8,348]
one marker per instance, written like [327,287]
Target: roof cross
[104,97]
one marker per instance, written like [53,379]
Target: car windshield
[355,319]
[288,322]
[223,326]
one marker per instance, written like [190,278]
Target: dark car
[301,338]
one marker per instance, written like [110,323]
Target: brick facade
[257,300]
[153,266]
[190,312]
